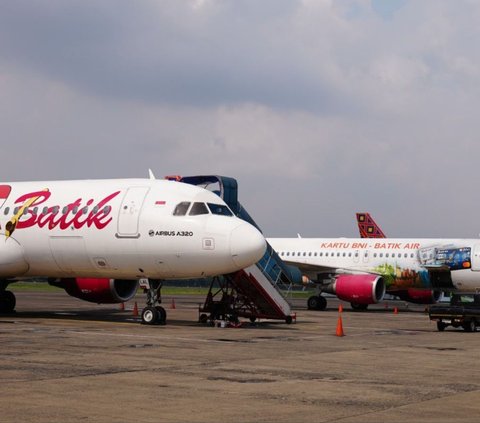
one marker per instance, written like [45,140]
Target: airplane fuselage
[403,263]
[127,228]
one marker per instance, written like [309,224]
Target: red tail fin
[367,227]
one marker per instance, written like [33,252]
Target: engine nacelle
[419,296]
[359,289]
[99,290]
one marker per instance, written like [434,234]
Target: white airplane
[98,238]
[360,271]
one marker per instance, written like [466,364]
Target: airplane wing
[313,268]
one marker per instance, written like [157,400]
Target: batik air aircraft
[368,228]
[98,238]
[360,271]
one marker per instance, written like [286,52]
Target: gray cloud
[168,52]
[319,108]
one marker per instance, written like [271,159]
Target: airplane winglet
[299,236]
[150,174]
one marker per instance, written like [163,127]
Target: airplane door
[476,258]
[129,214]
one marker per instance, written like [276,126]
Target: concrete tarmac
[64,360]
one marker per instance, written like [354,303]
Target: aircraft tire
[317,302]
[162,315]
[7,302]
[322,303]
[312,303]
[288,320]
[150,316]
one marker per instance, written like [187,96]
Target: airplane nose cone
[247,245]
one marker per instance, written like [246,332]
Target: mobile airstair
[257,292]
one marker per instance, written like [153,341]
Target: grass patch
[166,290]
[33,287]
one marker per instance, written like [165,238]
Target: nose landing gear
[153,313]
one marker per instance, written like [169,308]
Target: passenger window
[7,209]
[220,209]
[181,209]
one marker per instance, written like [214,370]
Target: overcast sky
[319,108]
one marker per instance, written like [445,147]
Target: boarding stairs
[257,292]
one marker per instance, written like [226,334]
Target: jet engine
[99,290]
[358,289]
[419,296]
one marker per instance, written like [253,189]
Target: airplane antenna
[150,174]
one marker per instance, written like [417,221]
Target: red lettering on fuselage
[75,214]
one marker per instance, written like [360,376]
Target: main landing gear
[7,299]
[153,313]
[317,302]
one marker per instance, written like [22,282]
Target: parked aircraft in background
[367,227]
[361,271]
[97,239]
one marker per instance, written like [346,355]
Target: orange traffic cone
[173,304]
[135,309]
[122,306]
[340,308]
[395,310]
[339,331]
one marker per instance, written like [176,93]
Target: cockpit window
[198,208]
[219,209]
[181,209]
